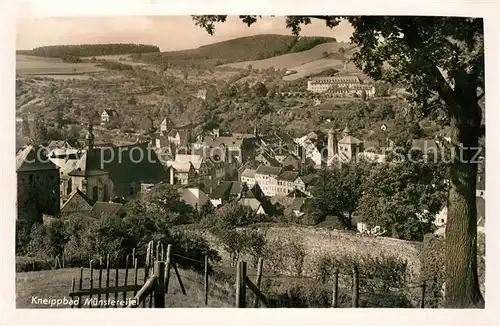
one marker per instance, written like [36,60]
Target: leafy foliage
[403,198]
[338,191]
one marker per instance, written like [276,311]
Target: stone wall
[318,242]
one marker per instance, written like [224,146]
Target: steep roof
[288,176]
[236,188]
[111,112]
[182,167]
[296,193]
[350,140]
[297,203]
[196,160]
[222,190]
[100,208]
[248,173]
[125,164]
[229,141]
[309,179]
[194,197]
[269,170]
[33,159]
[268,158]
[77,202]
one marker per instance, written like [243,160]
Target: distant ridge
[89,50]
[247,48]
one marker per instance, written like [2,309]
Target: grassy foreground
[55,284]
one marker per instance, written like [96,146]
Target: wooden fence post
[355,287]
[258,281]
[80,286]
[422,300]
[159,292]
[241,271]
[335,296]
[72,290]
[167,267]
[206,280]
[91,283]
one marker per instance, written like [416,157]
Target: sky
[170,33]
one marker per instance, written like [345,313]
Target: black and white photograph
[250,161]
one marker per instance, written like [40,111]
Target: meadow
[31,65]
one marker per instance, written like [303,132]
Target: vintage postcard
[251,161]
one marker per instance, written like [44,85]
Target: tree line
[89,50]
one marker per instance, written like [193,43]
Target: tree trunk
[462,286]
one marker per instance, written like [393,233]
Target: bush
[380,273]
[285,255]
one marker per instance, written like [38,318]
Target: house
[101,209]
[221,194]
[194,197]
[227,147]
[165,125]
[442,216]
[183,173]
[310,149]
[179,138]
[296,207]
[254,198]
[67,162]
[105,173]
[305,183]
[267,178]
[77,202]
[248,176]
[109,116]
[266,159]
[38,189]
[286,183]
[202,94]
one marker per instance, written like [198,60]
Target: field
[306,62]
[31,65]
[57,284]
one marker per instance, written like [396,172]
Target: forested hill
[90,50]
[248,48]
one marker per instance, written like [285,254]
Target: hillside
[307,62]
[256,47]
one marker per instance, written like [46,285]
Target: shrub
[379,272]
[285,255]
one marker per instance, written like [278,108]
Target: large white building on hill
[340,86]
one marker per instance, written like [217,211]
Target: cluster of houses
[259,171]
[340,86]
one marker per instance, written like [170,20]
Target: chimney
[216,132]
